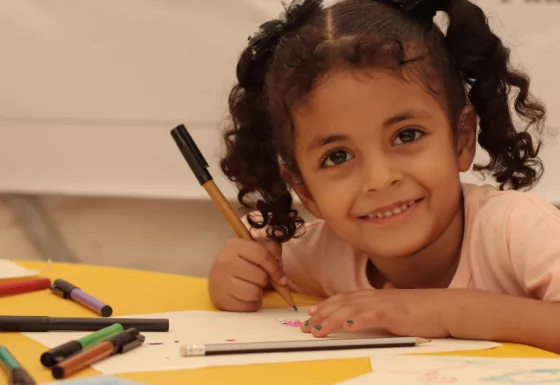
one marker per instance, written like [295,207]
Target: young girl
[369,112]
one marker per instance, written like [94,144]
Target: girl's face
[379,161]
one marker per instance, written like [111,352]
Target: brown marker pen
[118,344]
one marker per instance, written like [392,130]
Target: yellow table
[140,292]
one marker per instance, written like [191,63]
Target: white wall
[89,89]
[173,236]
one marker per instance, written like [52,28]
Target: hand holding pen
[241,273]
[248,254]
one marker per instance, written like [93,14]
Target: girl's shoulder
[512,242]
[488,203]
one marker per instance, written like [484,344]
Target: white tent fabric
[89,89]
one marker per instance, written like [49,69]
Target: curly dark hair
[280,67]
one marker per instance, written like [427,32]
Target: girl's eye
[336,157]
[408,135]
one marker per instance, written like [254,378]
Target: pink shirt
[511,245]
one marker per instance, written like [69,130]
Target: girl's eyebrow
[407,114]
[397,118]
[324,140]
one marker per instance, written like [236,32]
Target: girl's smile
[392,214]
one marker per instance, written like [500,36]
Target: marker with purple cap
[68,291]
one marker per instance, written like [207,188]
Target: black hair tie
[295,14]
[422,9]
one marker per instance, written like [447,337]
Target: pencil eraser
[183,351]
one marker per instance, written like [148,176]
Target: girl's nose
[379,173]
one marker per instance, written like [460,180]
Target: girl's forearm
[496,317]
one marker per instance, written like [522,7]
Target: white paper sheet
[161,350]
[459,371]
[11,270]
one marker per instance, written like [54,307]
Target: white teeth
[396,211]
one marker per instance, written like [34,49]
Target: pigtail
[251,159]
[493,85]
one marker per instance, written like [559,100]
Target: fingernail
[306,323]
[312,310]
[284,281]
[350,322]
[317,327]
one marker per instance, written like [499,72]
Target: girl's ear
[466,138]
[298,186]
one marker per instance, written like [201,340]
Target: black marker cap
[106,311]
[60,353]
[191,153]
[20,377]
[132,344]
[123,338]
[62,288]
[57,372]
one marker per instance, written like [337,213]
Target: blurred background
[89,90]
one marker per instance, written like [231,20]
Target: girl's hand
[241,272]
[417,313]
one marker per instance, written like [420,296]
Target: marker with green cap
[60,353]
[17,374]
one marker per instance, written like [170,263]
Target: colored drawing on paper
[294,323]
[535,376]
[461,371]
[434,376]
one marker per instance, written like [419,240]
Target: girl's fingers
[236,304]
[259,255]
[320,312]
[250,272]
[338,311]
[267,262]
[274,248]
[334,322]
[245,291]
[365,320]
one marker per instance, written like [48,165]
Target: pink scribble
[231,340]
[290,323]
